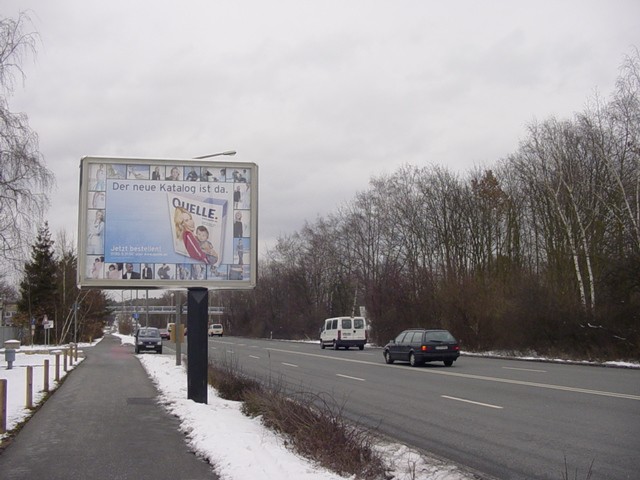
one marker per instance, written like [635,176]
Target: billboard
[167,223]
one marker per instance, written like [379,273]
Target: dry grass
[311,424]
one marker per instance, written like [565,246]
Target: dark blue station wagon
[418,346]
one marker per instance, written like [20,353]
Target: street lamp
[228,152]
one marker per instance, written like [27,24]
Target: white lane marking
[425,371]
[525,369]
[290,364]
[488,405]
[350,378]
[253,356]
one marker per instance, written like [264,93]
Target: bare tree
[24,178]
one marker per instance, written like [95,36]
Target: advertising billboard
[167,223]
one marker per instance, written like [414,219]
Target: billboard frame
[132,206]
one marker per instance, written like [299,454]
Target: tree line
[539,252]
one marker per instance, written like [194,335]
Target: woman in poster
[185,228]
[95,233]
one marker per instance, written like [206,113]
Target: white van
[344,332]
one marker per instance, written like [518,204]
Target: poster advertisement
[167,223]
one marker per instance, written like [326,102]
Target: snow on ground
[16,377]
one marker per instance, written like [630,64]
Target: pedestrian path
[103,422]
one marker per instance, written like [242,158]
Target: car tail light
[425,348]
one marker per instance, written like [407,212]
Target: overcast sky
[321,94]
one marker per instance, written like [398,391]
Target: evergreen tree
[38,287]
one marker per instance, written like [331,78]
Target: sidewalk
[103,423]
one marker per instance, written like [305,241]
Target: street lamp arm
[228,152]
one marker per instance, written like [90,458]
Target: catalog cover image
[198,227]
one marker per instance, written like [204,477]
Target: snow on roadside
[16,377]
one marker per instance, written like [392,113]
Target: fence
[8,333]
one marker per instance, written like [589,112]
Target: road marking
[253,356]
[425,371]
[488,405]
[290,364]
[525,369]
[350,378]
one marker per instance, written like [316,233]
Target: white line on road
[350,378]
[290,364]
[488,405]
[253,356]
[431,371]
[525,369]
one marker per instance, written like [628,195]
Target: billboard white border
[114,187]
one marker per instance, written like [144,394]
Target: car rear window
[439,336]
[358,323]
[346,323]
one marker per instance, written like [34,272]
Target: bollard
[46,375]
[30,387]
[66,354]
[3,405]
[10,347]
[57,354]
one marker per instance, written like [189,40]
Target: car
[216,329]
[164,334]
[419,345]
[148,338]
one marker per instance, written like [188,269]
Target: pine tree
[38,287]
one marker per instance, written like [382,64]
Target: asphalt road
[507,418]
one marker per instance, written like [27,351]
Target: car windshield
[148,332]
[439,336]
[216,325]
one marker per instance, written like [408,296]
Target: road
[507,418]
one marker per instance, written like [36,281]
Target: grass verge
[312,425]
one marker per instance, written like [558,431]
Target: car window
[439,336]
[148,332]
[400,337]
[417,338]
[346,323]
[358,323]
[334,324]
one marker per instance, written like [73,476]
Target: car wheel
[159,351]
[448,363]
[361,347]
[335,345]
[387,358]
[322,345]
[137,350]
[413,361]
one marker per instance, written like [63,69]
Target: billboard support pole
[197,343]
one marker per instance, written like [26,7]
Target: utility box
[10,347]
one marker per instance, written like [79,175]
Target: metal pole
[197,344]
[147,306]
[176,334]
